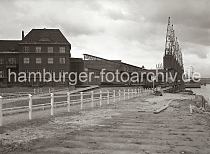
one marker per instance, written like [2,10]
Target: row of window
[9,61]
[13,61]
[38,49]
[49,60]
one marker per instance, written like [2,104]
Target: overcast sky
[130,30]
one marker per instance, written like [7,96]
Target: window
[26,48]
[38,49]
[12,60]
[26,60]
[1,74]
[38,60]
[50,49]
[62,60]
[62,49]
[1,61]
[50,60]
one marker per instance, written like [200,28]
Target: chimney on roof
[23,35]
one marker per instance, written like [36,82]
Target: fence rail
[73,99]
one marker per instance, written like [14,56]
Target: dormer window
[62,49]
[44,40]
[38,49]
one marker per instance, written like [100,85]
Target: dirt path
[127,127]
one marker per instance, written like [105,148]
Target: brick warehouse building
[40,49]
[95,64]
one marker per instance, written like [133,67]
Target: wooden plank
[162,108]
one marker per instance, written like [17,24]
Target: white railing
[74,99]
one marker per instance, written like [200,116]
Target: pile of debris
[158,93]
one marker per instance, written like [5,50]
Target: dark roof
[9,45]
[114,61]
[45,36]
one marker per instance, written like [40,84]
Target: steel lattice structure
[173,60]
[172,45]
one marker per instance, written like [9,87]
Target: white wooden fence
[75,99]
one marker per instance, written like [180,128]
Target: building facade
[9,57]
[44,51]
[40,50]
[96,65]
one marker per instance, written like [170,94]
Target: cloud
[199,50]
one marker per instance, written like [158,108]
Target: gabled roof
[9,45]
[45,36]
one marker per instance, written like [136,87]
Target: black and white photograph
[104,77]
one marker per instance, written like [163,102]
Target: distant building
[9,59]
[94,64]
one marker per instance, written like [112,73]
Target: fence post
[52,104]
[81,99]
[135,93]
[128,94]
[113,95]
[131,93]
[68,101]
[107,96]
[191,109]
[119,95]
[100,98]
[92,99]
[1,114]
[30,107]
[124,94]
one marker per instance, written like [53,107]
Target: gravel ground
[124,127]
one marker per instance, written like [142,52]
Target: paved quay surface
[129,127]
